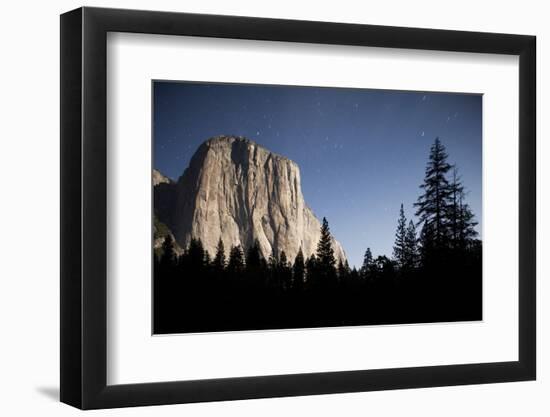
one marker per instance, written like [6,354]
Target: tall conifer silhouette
[168,256]
[399,247]
[432,206]
[325,252]
[311,265]
[326,261]
[411,247]
[285,271]
[236,260]
[253,256]
[219,259]
[368,263]
[298,271]
[461,218]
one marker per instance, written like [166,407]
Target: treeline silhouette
[432,276]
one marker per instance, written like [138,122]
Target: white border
[135,356]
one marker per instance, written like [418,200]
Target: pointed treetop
[325,252]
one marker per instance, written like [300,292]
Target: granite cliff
[236,190]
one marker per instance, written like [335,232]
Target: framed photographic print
[258,208]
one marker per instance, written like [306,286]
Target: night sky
[361,152]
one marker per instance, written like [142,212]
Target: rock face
[164,199]
[158,178]
[160,232]
[238,191]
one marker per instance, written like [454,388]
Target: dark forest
[433,275]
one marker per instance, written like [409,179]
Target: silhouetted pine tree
[411,247]
[219,260]
[325,265]
[466,225]
[254,257]
[298,272]
[343,270]
[399,247]
[325,252]
[427,243]
[310,271]
[236,260]
[456,191]
[461,218]
[432,205]
[385,269]
[196,255]
[354,277]
[168,256]
[255,270]
[368,263]
[285,272]
[273,279]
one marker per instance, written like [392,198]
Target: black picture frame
[84,207]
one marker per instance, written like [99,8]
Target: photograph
[298,207]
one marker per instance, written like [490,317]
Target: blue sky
[361,152]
